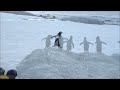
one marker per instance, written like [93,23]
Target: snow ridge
[55,63]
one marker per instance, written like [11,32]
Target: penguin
[99,44]
[59,40]
[70,44]
[48,41]
[86,44]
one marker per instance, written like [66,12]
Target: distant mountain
[83,20]
[100,20]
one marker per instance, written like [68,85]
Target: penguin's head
[98,37]
[71,37]
[84,38]
[59,34]
[49,36]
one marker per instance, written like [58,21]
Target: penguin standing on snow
[99,44]
[86,44]
[58,40]
[70,44]
[48,41]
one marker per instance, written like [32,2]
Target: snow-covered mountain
[54,63]
[81,18]
[93,20]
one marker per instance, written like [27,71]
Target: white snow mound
[54,63]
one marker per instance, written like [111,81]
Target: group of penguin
[59,40]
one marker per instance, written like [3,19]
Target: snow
[54,63]
[95,17]
[20,35]
[116,56]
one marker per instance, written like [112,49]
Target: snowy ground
[20,35]
[54,63]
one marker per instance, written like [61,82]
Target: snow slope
[54,63]
[20,35]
